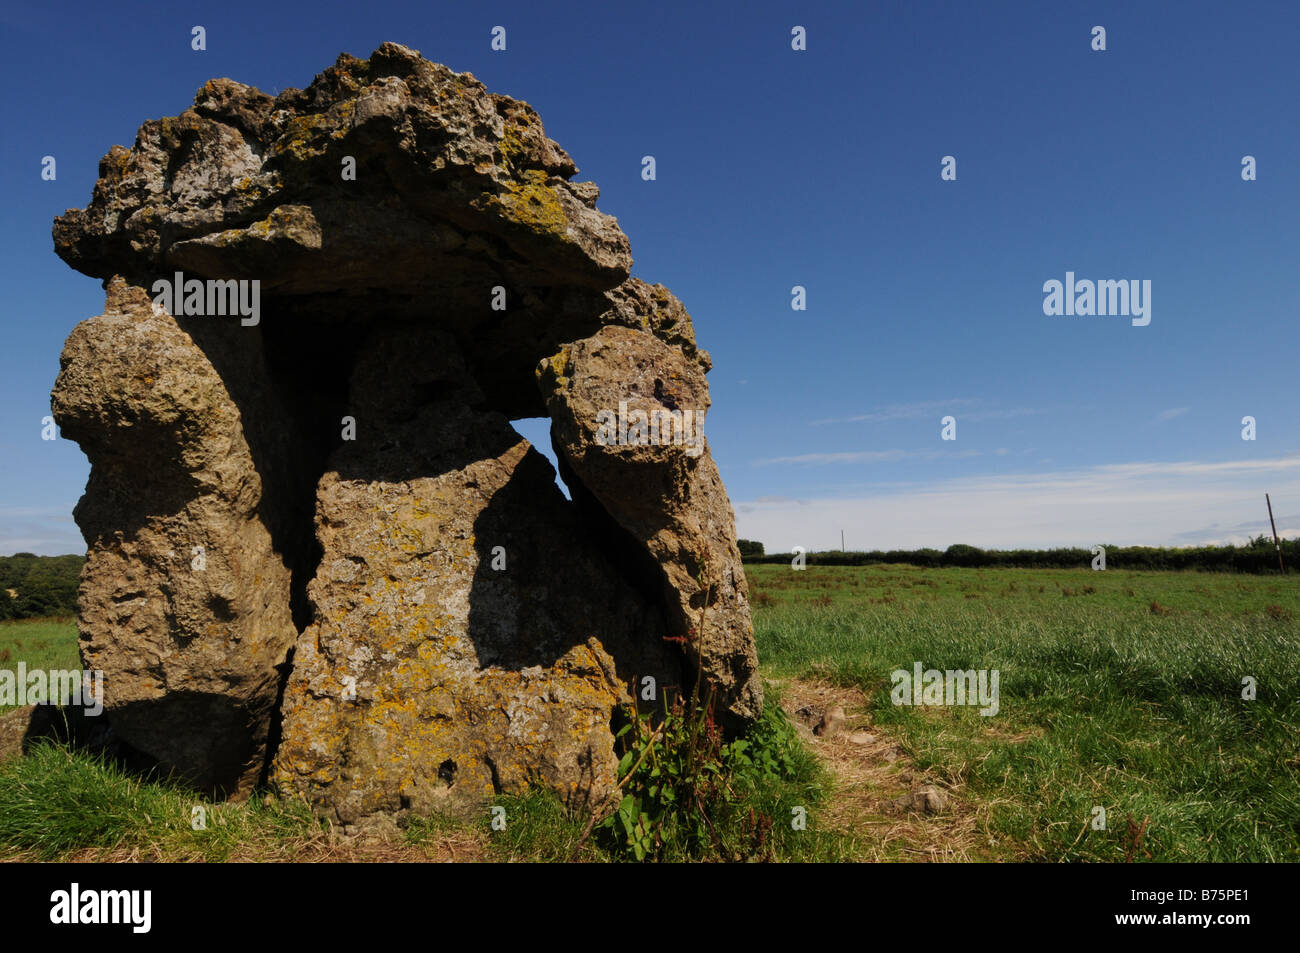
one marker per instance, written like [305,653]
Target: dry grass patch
[879,797]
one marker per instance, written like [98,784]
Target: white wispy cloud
[867,456]
[44,530]
[1175,503]
[1171,413]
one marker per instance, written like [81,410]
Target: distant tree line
[32,586]
[1257,556]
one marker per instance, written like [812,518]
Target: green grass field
[1120,690]
[41,643]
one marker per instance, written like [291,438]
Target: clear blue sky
[820,168]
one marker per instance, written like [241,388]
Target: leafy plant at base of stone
[686,790]
[688,794]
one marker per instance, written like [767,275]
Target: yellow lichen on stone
[552,372]
[300,137]
[345,111]
[512,149]
[532,203]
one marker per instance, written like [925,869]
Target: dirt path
[893,809]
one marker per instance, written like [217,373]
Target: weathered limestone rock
[659,482]
[431,678]
[255,187]
[185,603]
[399,609]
